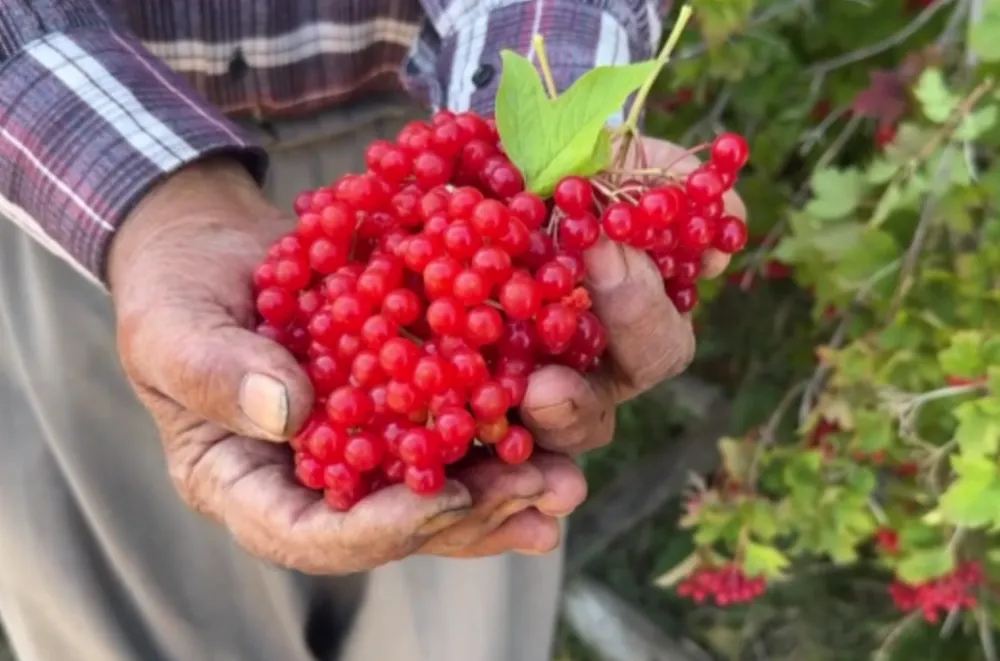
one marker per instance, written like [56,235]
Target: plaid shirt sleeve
[456,62]
[89,121]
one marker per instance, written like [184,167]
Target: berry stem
[604,189]
[687,152]
[632,123]
[411,337]
[543,65]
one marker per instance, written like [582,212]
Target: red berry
[730,235]
[490,218]
[420,447]
[703,186]
[446,316]
[401,306]
[483,325]
[520,297]
[470,288]
[278,306]
[555,280]
[432,375]
[425,480]
[398,357]
[661,206]
[694,233]
[364,452]
[456,426]
[349,406]
[439,276]
[556,324]
[489,401]
[503,180]
[730,152]
[309,471]
[529,209]
[579,232]
[684,297]
[619,221]
[431,169]
[574,195]
[516,446]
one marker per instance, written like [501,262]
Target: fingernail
[553,417]
[507,510]
[605,262]
[264,400]
[442,521]
[546,502]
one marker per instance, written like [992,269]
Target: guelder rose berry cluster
[727,585]
[935,599]
[421,294]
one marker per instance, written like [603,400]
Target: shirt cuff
[578,37]
[90,122]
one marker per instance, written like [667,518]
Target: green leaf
[873,431]
[978,432]
[922,566]
[962,357]
[977,123]
[936,100]
[762,520]
[763,560]
[836,193]
[971,499]
[983,33]
[550,139]
[881,171]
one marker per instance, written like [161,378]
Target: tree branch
[879,47]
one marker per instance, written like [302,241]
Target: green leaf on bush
[873,431]
[977,123]
[549,139]
[763,560]
[881,171]
[836,193]
[971,500]
[962,357]
[978,431]
[983,33]
[762,520]
[936,100]
[916,534]
[923,566]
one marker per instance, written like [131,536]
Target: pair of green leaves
[548,139]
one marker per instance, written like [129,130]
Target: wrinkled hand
[649,341]
[180,272]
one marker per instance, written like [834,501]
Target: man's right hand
[225,398]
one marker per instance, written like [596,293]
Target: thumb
[228,375]
[647,337]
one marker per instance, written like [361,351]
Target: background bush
[858,338]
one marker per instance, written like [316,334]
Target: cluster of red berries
[939,597]
[727,585]
[676,224]
[421,294]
